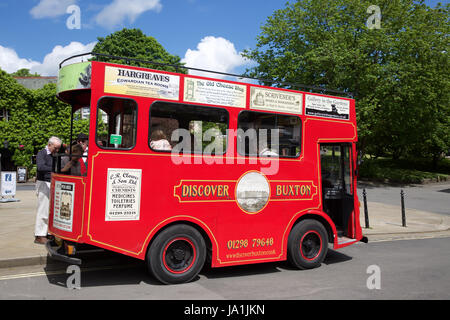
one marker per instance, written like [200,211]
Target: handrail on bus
[284,83]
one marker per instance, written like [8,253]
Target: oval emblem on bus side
[252,192]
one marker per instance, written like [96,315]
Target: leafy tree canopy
[133,43]
[34,116]
[399,73]
[24,73]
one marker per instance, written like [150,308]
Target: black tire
[177,254]
[307,244]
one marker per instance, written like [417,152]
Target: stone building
[34,83]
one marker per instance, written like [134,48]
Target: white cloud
[216,54]
[50,65]
[50,8]
[116,12]
[11,62]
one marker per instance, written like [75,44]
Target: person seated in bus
[159,141]
[101,143]
[74,165]
[83,141]
[266,151]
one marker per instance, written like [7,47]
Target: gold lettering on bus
[212,190]
[226,190]
[293,190]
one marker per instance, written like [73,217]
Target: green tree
[16,100]
[53,116]
[399,73]
[34,116]
[133,43]
[24,73]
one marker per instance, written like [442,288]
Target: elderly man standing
[44,161]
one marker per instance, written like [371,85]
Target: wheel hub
[179,255]
[311,245]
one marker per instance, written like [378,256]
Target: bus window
[256,134]
[188,128]
[116,123]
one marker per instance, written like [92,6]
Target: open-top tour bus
[183,169]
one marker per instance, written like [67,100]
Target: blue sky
[205,33]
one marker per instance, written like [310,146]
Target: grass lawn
[404,170]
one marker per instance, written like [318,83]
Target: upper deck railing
[261,80]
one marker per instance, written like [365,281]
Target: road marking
[56,272]
[30,275]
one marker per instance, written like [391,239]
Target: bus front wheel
[307,244]
[177,254]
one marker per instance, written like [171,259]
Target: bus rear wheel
[307,244]
[177,254]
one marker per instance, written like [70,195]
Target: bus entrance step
[344,240]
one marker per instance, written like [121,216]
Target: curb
[24,261]
[91,258]
[404,233]
[378,237]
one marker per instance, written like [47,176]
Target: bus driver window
[116,123]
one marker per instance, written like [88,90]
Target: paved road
[25,186]
[433,197]
[409,269]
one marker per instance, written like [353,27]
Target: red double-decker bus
[185,169]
